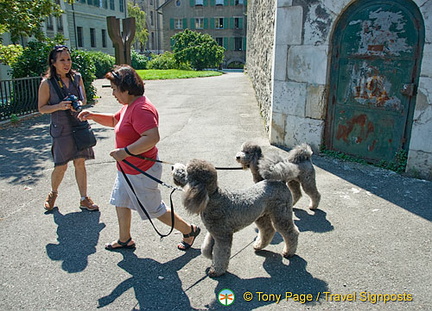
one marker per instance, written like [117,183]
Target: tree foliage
[141,32]
[196,49]
[25,17]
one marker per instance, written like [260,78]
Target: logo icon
[226,297]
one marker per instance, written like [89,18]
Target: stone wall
[259,52]
[288,61]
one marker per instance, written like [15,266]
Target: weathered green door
[374,72]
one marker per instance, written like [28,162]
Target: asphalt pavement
[367,247]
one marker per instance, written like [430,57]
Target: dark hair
[52,58]
[127,79]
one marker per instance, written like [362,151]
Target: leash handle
[140,204]
[145,158]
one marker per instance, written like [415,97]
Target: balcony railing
[18,97]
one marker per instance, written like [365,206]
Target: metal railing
[18,97]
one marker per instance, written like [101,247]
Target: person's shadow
[154,283]
[284,278]
[77,236]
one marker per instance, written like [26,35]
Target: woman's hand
[85,115]
[64,105]
[119,154]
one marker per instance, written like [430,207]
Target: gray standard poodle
[295,169]
[223,212]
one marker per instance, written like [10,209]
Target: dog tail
[300,153]
[274,167]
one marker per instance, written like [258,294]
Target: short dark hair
[127,79]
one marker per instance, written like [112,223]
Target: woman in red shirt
[136,133]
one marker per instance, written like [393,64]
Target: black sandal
[125,245]
[183,246]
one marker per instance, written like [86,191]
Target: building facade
[153,24]
[353,76]
[224,20]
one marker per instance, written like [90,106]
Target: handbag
[81,130]
[83,135]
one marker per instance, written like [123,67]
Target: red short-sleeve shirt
[133,120]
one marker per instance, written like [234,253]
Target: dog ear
[195,198]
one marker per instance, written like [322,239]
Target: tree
[198,50]
[25,18]
[141,32]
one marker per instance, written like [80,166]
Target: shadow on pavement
[154,283]
[293,276]
[77,236]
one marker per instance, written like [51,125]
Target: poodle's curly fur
[295,169]
[223,212]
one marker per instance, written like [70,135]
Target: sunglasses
[61,47]
[115,75]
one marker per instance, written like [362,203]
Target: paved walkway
[370,237]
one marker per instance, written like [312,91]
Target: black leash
[139,202]
[171,163]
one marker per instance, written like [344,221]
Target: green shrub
[84,64]
[103,63]
[138,61]
[165,61]
[33,62]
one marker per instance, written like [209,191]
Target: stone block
[289,25]
[308,64]
[289,98]
[316,101]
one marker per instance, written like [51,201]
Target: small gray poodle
[223,212]
[295,169]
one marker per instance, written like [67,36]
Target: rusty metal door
[374,73]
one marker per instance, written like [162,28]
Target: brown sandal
[50,200]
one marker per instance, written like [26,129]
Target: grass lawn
[152,74]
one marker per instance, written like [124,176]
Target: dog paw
[213,273]
[258,246]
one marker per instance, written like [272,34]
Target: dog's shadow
[154,283]
[284,278]
[316,222]
[77,236]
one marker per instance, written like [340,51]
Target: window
[238,2]
[178,23]
[151,18]
[178,3]
[112,5]
[49,23]
[97,3]
[105,4]
[237,23]
[80,37]
[219,2]
[60,24]
[121,5]
[199,23]
[219,41]
[199,2]
[219,23]
[92,37]
[104,41]
[238,44]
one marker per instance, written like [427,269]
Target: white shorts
[146,190]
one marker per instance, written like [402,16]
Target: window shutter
[192,2]
[212,23]
[185,23]
[226,2]
[231,25]
[205,3]
[206,23]
[212,3]
[171,23]
[225,43]
[241,23]
[244,43]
